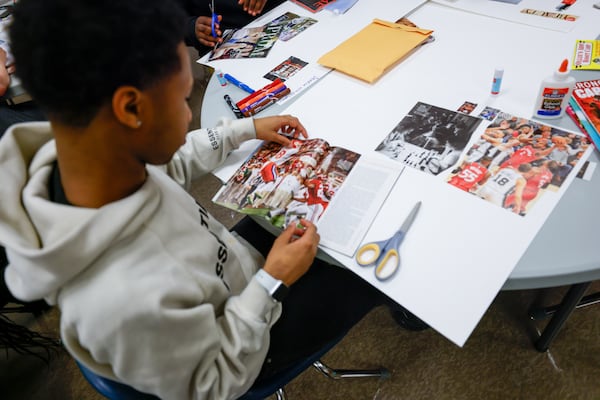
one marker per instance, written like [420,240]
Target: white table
[437,257]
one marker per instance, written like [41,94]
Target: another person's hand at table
[203,31]
[271,128]
[253,7]
[4,72]
[293,252]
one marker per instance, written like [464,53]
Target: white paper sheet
[330,30]
[542,13]
[460,249]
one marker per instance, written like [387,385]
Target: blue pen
[239,84]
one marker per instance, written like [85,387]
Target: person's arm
[205,149]
[493,140]
[519,187]
[168,338]
[4,75]
[546,151]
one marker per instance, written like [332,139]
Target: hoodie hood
[47,243]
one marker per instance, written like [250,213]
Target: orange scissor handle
[387,267]
[385,254]
[386,264]
[367,254]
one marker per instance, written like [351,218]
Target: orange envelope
[371,52]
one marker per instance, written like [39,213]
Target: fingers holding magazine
[276,128]
[293,252]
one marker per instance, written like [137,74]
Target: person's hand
[293,252]
[269,128]
[253,7]
[204,31]
[4,73]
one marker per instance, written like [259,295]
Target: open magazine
[284,184]
[303,180]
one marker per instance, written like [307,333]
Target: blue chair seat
[260,390]
[113,390]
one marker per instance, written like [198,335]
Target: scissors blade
[214,18]
[411,217]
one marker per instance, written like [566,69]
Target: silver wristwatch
[276,288]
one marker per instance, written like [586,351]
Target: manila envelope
[371,52]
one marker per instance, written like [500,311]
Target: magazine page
[357,203]
[293,24]
[553,15]
[313,5]
[284,184]
[429,138]
[587,96]
[516,161]
[257,42]
[246,42]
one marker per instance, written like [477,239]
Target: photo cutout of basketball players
[515,161]
[429,138]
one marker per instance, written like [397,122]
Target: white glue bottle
[554,93]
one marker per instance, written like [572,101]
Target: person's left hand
[253,7]
[203,31]
[270,128]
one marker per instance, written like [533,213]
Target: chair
[112,390]
[15,336]
[274,385]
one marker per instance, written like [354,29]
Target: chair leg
[382,373]
[280,394]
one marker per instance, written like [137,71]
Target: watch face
[280,292]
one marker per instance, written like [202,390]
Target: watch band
[276,288]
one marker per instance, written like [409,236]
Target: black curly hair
[71,55]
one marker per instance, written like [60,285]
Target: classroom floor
[497,362]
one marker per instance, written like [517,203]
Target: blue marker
[239,84]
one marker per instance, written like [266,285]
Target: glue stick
[497,81]
[554,93]
[221,77]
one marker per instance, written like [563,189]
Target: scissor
[215,19]
[384,254]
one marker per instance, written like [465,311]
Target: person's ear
[127,104]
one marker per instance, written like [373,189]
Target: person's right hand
[253,7]
[269,128]
[204,31]
[293,252]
